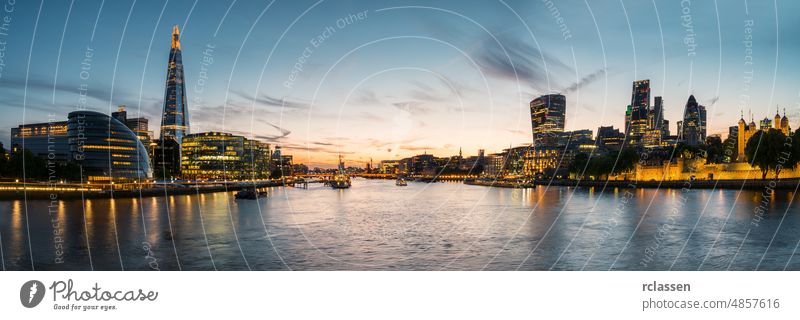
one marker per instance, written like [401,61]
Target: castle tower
[741,136]
[785,124]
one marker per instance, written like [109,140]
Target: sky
[390,79]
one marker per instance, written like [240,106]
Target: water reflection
[376,225]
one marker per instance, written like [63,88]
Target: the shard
[175,119]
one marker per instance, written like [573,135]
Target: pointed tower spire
[175,117]
[176,37]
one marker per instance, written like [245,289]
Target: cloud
[517,60]
[318,149]
[592,77]
[713,101]
[37,83]
[366,97]
[267,100]
[413,107]
[416,148]
[519,132]
[425,92]
[370,116]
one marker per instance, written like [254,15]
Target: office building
[106,149]
[175,118]
[693,127]
[548,114]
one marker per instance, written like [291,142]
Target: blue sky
[403,78]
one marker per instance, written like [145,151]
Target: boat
[250,194]
[400,182]
[340,180]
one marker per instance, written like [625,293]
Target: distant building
[47,140]
[639,114]
[744,131]
[166,159]
[548,115]
[782,123]
[765,124]
[495,164]
[694,123]
[610,138]
[389,166]
[139,126]
[282,164]
[224,156]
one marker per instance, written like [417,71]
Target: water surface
[376,225]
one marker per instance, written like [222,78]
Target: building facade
[106,149]
[639,114]
[548,115]
[175,118]
[694,123]
[47,140]
[224,156]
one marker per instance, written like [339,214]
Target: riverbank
[786,184]
[33,191]
[499,183]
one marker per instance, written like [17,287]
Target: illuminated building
[638,117]
[765,124]
[745,131]
[548,114]
[282,163]
[494,165]
[784,124]
[657,121]
[47,140]
[549,161]
[166,158]
[106,149]
[571,138]
[175,119]
[257,162]
[389,166]
[139,126]
[693,128]
[781,123]
[628,111]
[223,156]
[610,138]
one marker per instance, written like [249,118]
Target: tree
[715,150]
[600,166]
[276,174]
[3,161]
[24,163]
[627,160]
[579,165]
[69,171]
[730,149]
[771,151]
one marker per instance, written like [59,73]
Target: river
[376,225]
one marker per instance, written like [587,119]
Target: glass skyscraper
[548,113]
[693,131]
[175,119]
[640,109]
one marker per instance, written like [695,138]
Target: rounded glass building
[107,149]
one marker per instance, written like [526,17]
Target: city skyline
[342,99]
